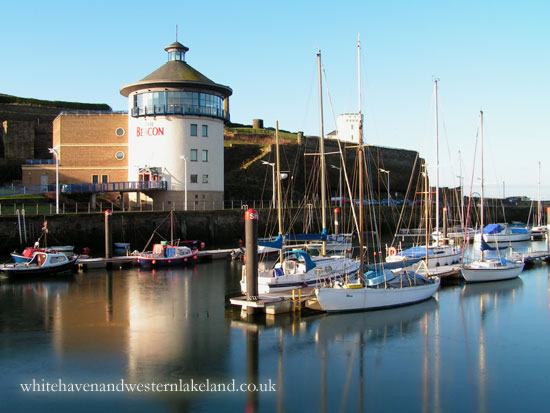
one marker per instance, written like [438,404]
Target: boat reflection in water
[490,299]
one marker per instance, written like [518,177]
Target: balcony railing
[85,188]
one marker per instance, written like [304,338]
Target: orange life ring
[392,251]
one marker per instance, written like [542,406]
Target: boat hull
[341,299]
[445,256]
[327,270]
[152,262]
[21,270]
[491,272]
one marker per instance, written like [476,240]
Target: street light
[54,152]
[184,179]
[339,182]
[387,172]
[273,179]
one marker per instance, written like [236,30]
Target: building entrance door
[44,183]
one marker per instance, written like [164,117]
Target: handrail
[86,188]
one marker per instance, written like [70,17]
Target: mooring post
[336,221]
[251,245]
[108,235]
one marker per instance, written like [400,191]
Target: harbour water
[479,347]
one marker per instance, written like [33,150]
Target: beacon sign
[150,131]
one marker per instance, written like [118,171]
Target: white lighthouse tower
[176,118]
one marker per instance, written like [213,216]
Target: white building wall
[348,127]
[160,141]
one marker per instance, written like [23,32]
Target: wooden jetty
[532,258]
[278,303]
[114,262]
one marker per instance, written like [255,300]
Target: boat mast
[436,164]
[360,156]
[461,191]
[539,213]
[279,200]
[172,226]
[482,181]
[322,159]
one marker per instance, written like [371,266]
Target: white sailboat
[440,252]
[297,268]
[489,269]
[378,288]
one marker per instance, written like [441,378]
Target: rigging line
[464,238]
[154,232]
[329,99]
[405,201]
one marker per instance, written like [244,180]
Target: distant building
[173,132]
[348,128]
[92,148]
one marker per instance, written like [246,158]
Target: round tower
[176,117]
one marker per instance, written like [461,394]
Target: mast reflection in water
[476,347]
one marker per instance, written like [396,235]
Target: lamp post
[184,179]
[387,172]
[54,152]
[273,179]
[339,182]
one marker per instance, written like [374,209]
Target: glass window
[204,155]
[205,179]
[149,103]
[95,179]
[104,179]
[194,155]
[193,129]
[194,179]
[119,155]
[120,131]
[204,130]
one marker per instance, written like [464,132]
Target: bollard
[336,220]
[251,245]
[108,235]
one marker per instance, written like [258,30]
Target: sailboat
[297,268]
[489,269]
[168,254]
[539,230]
[378,287]
[439,253]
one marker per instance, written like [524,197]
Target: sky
[491,55]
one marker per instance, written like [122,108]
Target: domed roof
[178,74]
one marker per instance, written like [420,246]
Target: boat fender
[185,260]
[392,251]
[203,245]
[154,262]
[169,261]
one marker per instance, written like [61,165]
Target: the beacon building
[176,119]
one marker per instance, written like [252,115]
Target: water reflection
[452,353]
[102,326]
[490,298]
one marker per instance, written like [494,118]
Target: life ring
[392,251]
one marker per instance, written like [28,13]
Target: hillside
[246,177]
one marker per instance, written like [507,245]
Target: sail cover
[492,229]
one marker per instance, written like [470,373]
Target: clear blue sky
[490,55]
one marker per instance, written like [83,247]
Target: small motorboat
[41,263]
[28,252]
[167,255]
